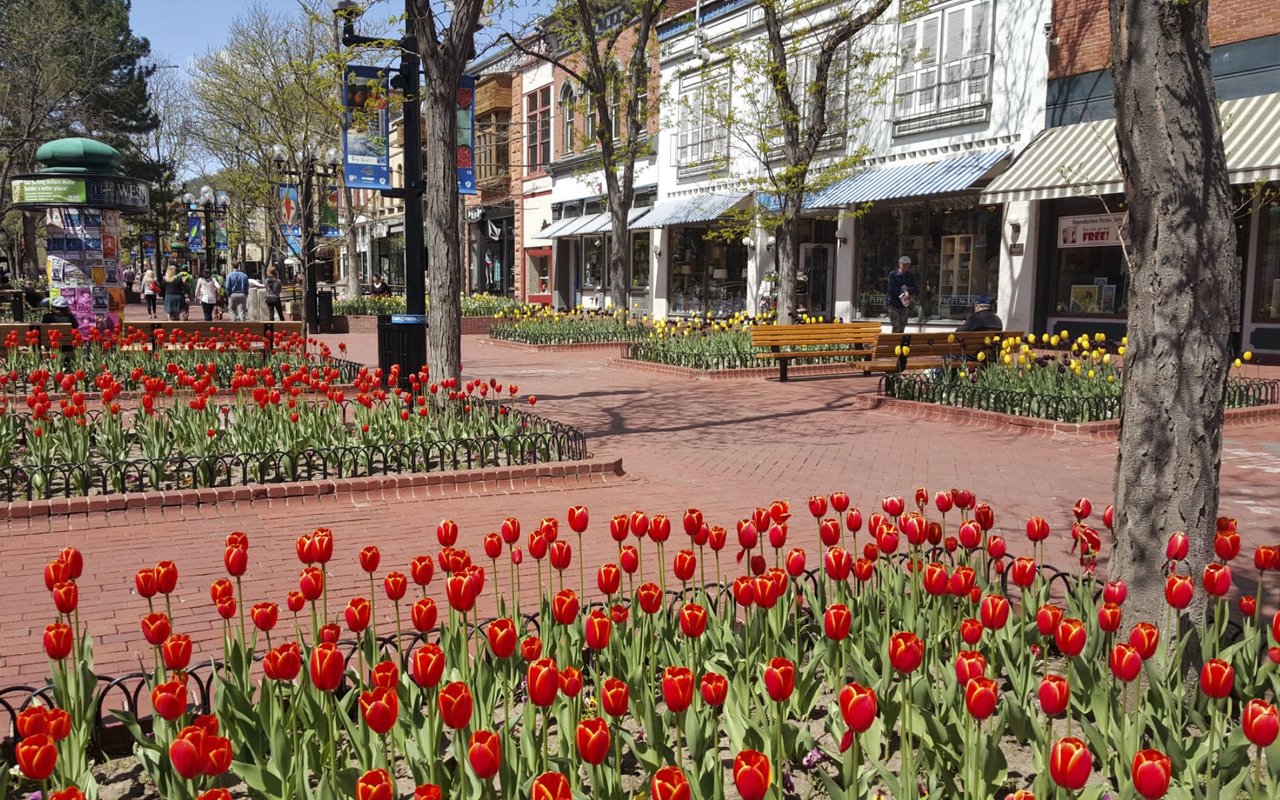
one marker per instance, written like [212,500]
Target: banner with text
[366,128]
[1093,230]
[466,113]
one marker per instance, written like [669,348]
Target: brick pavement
[723,447]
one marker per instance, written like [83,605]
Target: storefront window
[1091,274]
[639,261]
[538,268]
[707,275]
[1266,289]
[593,262]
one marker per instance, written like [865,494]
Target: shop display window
[707,276]
[538,268]
[593,263]
[1266,287]
[640,261]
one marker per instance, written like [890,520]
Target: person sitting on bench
[982,318]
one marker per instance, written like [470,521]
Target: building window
[538,120]
[567,118]
[703,138]
[593,256]
[640,260]
[944,78]
[492,147]
[538,270]
[1266,289]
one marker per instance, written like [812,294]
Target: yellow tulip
[1099,337]
[906,351]
[1064,334]
[1053,340]
[1031,337]
[1092,374]
[1008,359]
[1111,379]
[1106,358]
[1248,355]
[1124,340]
[982,355]
[1238,363]
[951,338]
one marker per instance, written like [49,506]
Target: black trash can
[402,339]
[324,310]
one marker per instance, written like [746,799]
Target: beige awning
[1081,160]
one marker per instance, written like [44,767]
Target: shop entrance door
[815,271]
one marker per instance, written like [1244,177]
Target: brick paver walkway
[724,448]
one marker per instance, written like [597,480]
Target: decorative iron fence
[953,388]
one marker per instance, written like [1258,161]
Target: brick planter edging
[1105,431]
[423,485]
[555,348]
[745,373]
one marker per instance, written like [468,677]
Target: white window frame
[946,59]
[700,140]
[568,136]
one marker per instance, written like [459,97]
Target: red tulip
[1047,619]
[714,688]
[145,582]
[984,516]
[1226,545]
[748,535]
[422,569]
[779,511]
[561,554]
[659,528]
[375,784]
[693,620]
[997,547]
[492,545]
[629,559]
[893,506]
[597,629]
[752,774]
[502,636]
[578,518]
[777,536]
[839,502]
[176,651]
[614,697]
[564,606]
[1260,723]
[980,697]
[282,663]
[829,532]
[836,622]
[1109,516]
[1037,529]
[969,664]
[166,577]
[358,614]
[838,563]
[1054,695]
[744,592]
[853,520]
[994,611]
[1265,558]
[326,667]
[780,679]
[795,563]
[1178,547]
[1152,772]
[684,564]
[593,740]
[380,707]
[447,533]
[1109,617]
[66,597]
[1217,678]
[542,682]
[455,705]
[1144,638]
[484,751]
[962,581]
[650,597]
[424,615]
[1082,509]
[1248,605]
[817,505]
[265,616]
[608,579]
[57,641]
[550,786]
[311,583]
[619,527]
[74,793]
[1178,590]
[1217,579]
[669,783]
[692,520]
[1070,763]
[887,539]
[717,537]
[428,665]
[677,688]
[56,572]
[531,648]
[170,700]
[906,651]
[858,706]
[971,631]
[510,530]
[36,756]
[1125,662]
[1070,636]
[970,534]
[156,628]
[570,680]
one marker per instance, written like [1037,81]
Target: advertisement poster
[466,111]
[1093,230]
[290,207]
[84,264]
[220,238]
[329,213]
[195,234]
[149,245]
[366,128]
[48,191]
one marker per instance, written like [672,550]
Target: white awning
[1081,159]
[890,182]
[683,210]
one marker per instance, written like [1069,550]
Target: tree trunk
[353,273]
[1183,293]
[786,253]
[31,267]
[444,249]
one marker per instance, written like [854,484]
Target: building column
[845,306]
[1019,238]
[659,245]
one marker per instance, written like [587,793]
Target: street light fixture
[307,166]
[212,206]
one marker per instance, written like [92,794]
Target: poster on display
[466,113]
[149,245]
[84,266]
[1093,230]
[195,233]
[366,126]
[290,209]
[220,239]
[328,227]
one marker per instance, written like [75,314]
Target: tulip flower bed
[543,326]
[473,305]
[731,674]
[268,425]
[713,345]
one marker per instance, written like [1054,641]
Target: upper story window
[944,77]
[568,118]
[704,105]
[493,146]
[538,130]
[803,71]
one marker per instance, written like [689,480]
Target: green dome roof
[77,154]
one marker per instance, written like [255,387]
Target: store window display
[708,275]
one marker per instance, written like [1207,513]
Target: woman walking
[207,294]
[175,294]
[150,291]
[274,287]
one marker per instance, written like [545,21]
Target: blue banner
[290,207]
[366,128]
[195,233]
[466,113]
[149,244]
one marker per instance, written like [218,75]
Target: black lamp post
[407,347]
[306,167]
[211,206]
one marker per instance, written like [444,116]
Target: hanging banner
[290,208]
[366,128]
[195,233]
[149,244]
[328,227]
[466,113]
[295,244]
[221,241]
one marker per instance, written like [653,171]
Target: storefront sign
[366,128]
[1093,230]
[466,114]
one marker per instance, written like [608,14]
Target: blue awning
[939,176]
[683,210]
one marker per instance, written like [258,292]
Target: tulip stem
[399,635]
[1257,774]
[240,603]
[908,772]
[582,580]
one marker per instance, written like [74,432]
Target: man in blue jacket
[237,288]
[901,295]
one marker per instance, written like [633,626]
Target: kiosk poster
[84,265]
[466,125]
[366,127]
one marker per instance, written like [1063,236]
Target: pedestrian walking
[174,289]
[207,294]
[150,291]
[274,287]
[238,294]
[901,295]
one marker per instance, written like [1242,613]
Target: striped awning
[939,176]
[683,210]
[603,223]
[553,231]
[1081,159]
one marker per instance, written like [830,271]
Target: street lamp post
[408,349]
[212,206]
[306,167]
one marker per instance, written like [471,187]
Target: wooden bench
[187,328]
[900,352]
[786,342]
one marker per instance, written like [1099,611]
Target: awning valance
[683,210]
[1081,159]
[938,176]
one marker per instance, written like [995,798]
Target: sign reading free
[1093,230]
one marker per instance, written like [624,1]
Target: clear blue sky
[180,30]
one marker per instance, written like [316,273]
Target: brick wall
[1082,28]
[622,52]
